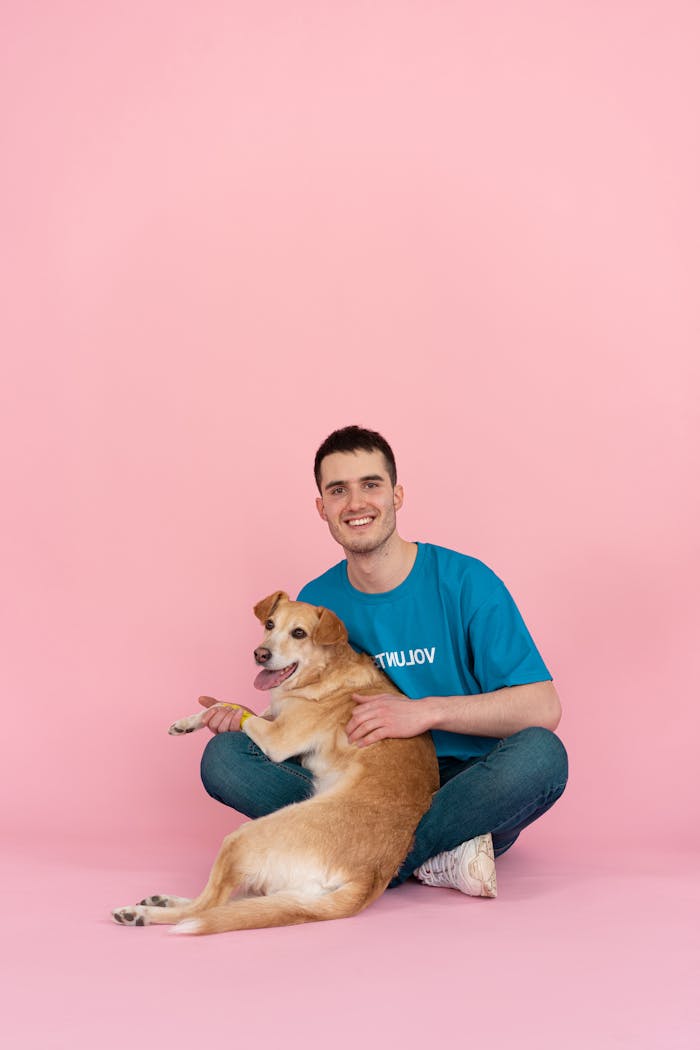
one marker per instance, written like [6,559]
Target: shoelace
[448,869]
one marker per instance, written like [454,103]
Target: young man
[448,634]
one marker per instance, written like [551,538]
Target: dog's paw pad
[176,729]
[130,916]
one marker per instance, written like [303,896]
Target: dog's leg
[161,909]
[194,722]
[279,739]
[281,909]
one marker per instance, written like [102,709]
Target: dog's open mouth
[271,679]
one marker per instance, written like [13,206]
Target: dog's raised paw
[132,915]
[177,729]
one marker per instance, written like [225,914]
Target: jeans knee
[218,760]
[549,754]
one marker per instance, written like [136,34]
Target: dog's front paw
[187,725]
[132,915]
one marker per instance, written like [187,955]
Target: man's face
[357,500]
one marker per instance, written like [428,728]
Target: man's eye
[298,632]
[336,492]
[269,624]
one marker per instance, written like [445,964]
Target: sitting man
[447,632]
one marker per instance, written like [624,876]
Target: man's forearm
[501,713]
[498,714]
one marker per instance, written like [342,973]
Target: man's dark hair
[355,439]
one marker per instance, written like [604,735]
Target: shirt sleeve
[502,648]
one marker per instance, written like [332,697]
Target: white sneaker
[470,868]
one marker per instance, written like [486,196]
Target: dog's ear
[266,606]
[329,630]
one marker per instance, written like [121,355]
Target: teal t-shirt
[450,629]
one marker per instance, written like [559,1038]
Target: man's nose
[262,655]
[356,498]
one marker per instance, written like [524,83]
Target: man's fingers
[358,719]
[222,719]
[212,718]
[380,733]
[363,728]
[228,722]
[221,716]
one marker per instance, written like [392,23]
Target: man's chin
[363,544]
[358,547]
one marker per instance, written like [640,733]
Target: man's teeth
[359,521]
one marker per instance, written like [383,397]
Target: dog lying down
[331,855]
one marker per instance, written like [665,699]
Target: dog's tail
[282,909]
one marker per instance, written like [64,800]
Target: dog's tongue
[270,679]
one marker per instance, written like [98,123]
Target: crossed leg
[501,792]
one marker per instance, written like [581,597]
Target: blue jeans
[501,792]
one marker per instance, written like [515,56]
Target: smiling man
[447,632]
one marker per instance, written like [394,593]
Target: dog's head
[299,641]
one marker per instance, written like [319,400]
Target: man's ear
[266,606]
[329,630]
[398,497]
[320,508]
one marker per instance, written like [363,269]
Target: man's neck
[384,568]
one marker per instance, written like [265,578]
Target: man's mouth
[271,679]
[356,523]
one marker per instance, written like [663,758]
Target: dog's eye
[298,632]
[269,624]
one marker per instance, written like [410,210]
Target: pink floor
[587,946]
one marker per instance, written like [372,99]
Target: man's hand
[386,715]
[222,719]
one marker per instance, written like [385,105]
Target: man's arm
[497,714]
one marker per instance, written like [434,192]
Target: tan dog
[333,854]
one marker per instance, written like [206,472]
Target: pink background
[229,228]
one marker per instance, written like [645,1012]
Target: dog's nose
[262,655]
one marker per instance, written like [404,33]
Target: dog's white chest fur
[326,776]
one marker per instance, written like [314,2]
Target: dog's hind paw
[132,915]
[162,900]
